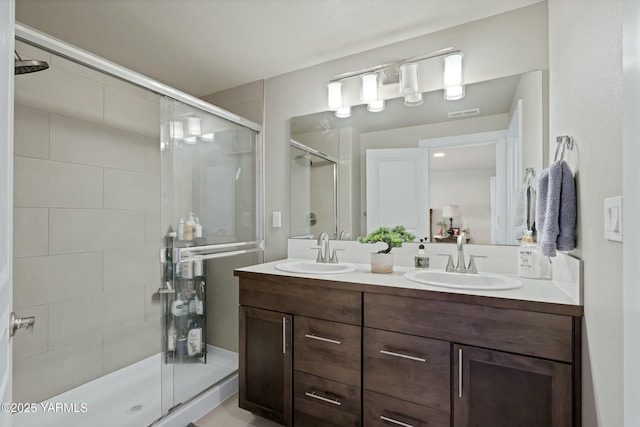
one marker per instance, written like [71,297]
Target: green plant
[393,237]
[442,224]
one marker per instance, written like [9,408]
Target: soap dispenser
[421,260]
[528,257]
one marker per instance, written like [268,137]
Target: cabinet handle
[404,356]
[316,337]
[459,372]
[392,421]
[284,335]
[313,395]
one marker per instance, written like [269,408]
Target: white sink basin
[312,267]
[479,281]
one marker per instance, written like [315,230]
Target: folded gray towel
[556,211]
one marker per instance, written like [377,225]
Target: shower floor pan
[131,396]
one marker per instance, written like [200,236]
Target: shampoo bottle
[194,340]
[181,229]
[528,257]
[178,308]
[421,259]
[197,228]
[188,227]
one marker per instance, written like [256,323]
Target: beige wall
[585,94]
[246,101]
[493,48]
[86,222]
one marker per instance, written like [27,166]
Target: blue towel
[556,212]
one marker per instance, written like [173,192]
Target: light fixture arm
[422,57]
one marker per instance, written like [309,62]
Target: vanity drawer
[289,295]
[526,332]
[384,411]
[321,402]
[327,349]
[408,368]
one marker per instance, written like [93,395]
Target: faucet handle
[320,257]
[450,267]
[472,264]
[334,256]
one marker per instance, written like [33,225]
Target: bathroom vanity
[359,349]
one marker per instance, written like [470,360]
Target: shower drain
[135,409]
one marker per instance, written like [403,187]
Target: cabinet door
[265,364]
[497,389]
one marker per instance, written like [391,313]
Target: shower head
[24,66]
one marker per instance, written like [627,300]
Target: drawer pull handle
[284,335]
[404,356]
[316,337]
[313,395]
[460,372]
[396,422]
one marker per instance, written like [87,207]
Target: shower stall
[136,311]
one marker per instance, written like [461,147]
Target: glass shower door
[210,181]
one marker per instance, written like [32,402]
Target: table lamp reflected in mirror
[451,211]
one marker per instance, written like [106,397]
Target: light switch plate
[277,220]
[613,218]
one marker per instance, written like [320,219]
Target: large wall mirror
[406,165]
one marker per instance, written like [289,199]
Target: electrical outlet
[277,219]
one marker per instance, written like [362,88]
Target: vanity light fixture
[407,82]
[335,95]
[343,112]
[409,86]
[454,89]
[194,127]
[376,106]
[438,154]
[176,129]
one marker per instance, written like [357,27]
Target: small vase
[381,262]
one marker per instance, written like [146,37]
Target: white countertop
[546,291]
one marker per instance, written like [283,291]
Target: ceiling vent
[464,113]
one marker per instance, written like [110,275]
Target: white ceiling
[204,46]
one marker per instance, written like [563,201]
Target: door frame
[7,45]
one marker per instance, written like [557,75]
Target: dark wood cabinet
[497,389]
[266,364]
[323,353]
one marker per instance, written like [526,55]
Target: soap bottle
[171,337]
[421,259]
[194,340]
[188,227]
[178,308]
[197,228]
[528,257]
[181,229]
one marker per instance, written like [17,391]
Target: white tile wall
[130,267]
[31,132]
[130,190]
[43,280]
[89,230]
[43,183]
[78,141]
[44,375]
[59,91]
[123,110]
[77,319]
[30,232]
[86,225]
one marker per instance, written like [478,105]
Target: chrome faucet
[324,251]
[460,267]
